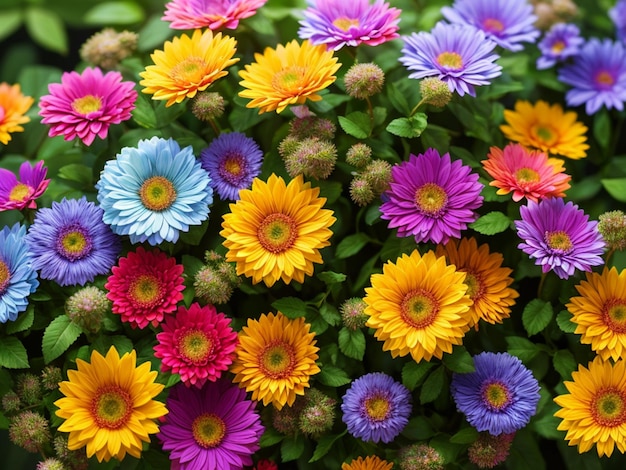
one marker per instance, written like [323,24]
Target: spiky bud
[51,464]
[11,402]
[612,226]
[50,377]
[353,313]
[313,157]
[364,80]
[107,48]
[359,155]
[488,451]
[216,281]
[312,126]
[419,457]
[29,430]
[318,413]
[74,459]
[208,105]
[435,92]
[87,307]
[361,191]
[378,175]
[288,146]
[29,388]
[286,420]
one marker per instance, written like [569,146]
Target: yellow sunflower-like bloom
[419,306]
[371,462]
[13,106]
[287,75]
[275,230]
[547,128]
[594,411]
[487,281]
[187,65]
[108,405]
[275,359]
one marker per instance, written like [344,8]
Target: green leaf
[413,373]
[330,314]
[418,429]
[144,113]
[47,29]
[270,437]
[331,190]
[13,354]
[433,385]
[356,124]
[536,316]
[109,13]
[522,348]
[616,187]
[59,335]
[525,452]
[564,363]
[491,223]
[459,361]
[153,34]
[564,320]
[410,127]
[333,376]
[77,172]
[465,436]
[351,245]
[546,425]
[352,343]
[291,307]
[23,322]
[291,448]
[324,445]
[602,128]
[330,277]
[10,21]
[397,98]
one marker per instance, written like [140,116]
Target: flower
[431,197]
[594,410]
[529,174]
[275,230]
[70,244]
[559,236]
[289,74]
[371,462]
[561,42]
[107,48]
[154,191]
[197,343]
[336,24]
[499,397]
[618,16]
[546,127]
[275,359]
[108,405]
[504,22]
[188,65]
[144,286]
[457,54]
[418,306]
[21,194]
[232,160]
[597,76]
[199,14]
[13,107]
[210,427]
[376,408]
[85,105]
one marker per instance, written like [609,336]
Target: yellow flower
[275,230]
[287,75]
[13,106]
[187,65]
[547,128]
[419,306]
[108,405]
[369,463]
[275,358]
[594,411]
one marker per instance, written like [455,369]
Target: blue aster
[154,191]
[618,16]
[562,41]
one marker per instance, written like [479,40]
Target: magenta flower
[85,105]
[21,194]
[212,14]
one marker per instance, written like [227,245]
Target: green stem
[414,110]
[541,283]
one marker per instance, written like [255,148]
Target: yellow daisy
[108,405]
[287,75]
[275,230]
[594,411]
[187,65]
[547,128]
[600,312]
[369,463]
[275,359]
[13,106]
[419,306]
[487,281]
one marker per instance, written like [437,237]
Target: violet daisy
[499,397]
[210,427]
[376,408]
[618,16]
[232,160]
[559,236]
[431,197]
[21,194]
[458,55]
[559,43]
[212,14]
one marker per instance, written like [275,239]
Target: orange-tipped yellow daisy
[108,405]
[187,65]
[13,106]
[275,359]
[547,128]
[371,462]
[594,411]
[289,74]
[418,306]
[275,230]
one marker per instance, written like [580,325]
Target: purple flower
[232,160]
[559,236]
[618,15]
[499,397]
[562,41]
[597,76]
[210,427]
[431,197]
[504,21]
[459,55]
[339,23]
[21,194]
[376,408]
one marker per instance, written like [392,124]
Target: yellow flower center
[558,241]
[289,80]
[87,104]
[344,23]
[157,193]
[195,346]
[145,290]
[5,276]
[232,166]
[419,308]
[558,46]
[73,243]
[208,430]
[526,175]
[614,315]
[605,78]
[607,407]
[277,233]
[377,407]
[493,25]
[495,395]
[450,60]
[20,192]
[545,134]
[190,70]
[111,407]
[431,199]
[277,360]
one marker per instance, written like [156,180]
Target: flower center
[87,104]
[544,134]
[526,175]
[419,308]
[111,407]
[5,276]
[496,396]
[474,285]
[232,168]
[145,290]
[450,60]
[289,80]
[277,360]
[157,193]
[558,241]
[20,192]
[605,79]
[208,430]
[377,407]
[607,407]
[431,199]
[190,70]
[277,233]
[344,23]
[194,345]
[614,315]
[493,25]
[558,46]
[73,242]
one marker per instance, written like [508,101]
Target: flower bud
[29,430]
[286,420]
[29,388]
[419,457]
[361,191]
[378,175]
[108,47]
[612,226]
[353,313]
[488,451]
[216,281]
[51,464]
[208,105]
[364,80]
[318,413]
[74,459]
[11,402]
[288,146]
[313,157]
[50,377]
[359,155]
[311,126]
[435,92]
[87,307]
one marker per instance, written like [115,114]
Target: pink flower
[212,14]
[21,194]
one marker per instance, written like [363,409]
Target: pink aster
[212,14]
[85,105]
[197,343]
[21,193]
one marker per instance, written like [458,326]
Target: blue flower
[618,16]
[18,279]
[561,42]
[154,191]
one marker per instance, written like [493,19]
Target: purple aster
[21,194]
[559,236]
[232,160]
[431,197]
[70,243]
[339,23]
[618,15]
[562,41]
[210,427]
[499,397]
[504,21]
[597,76]
[376,407]
[459,55]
